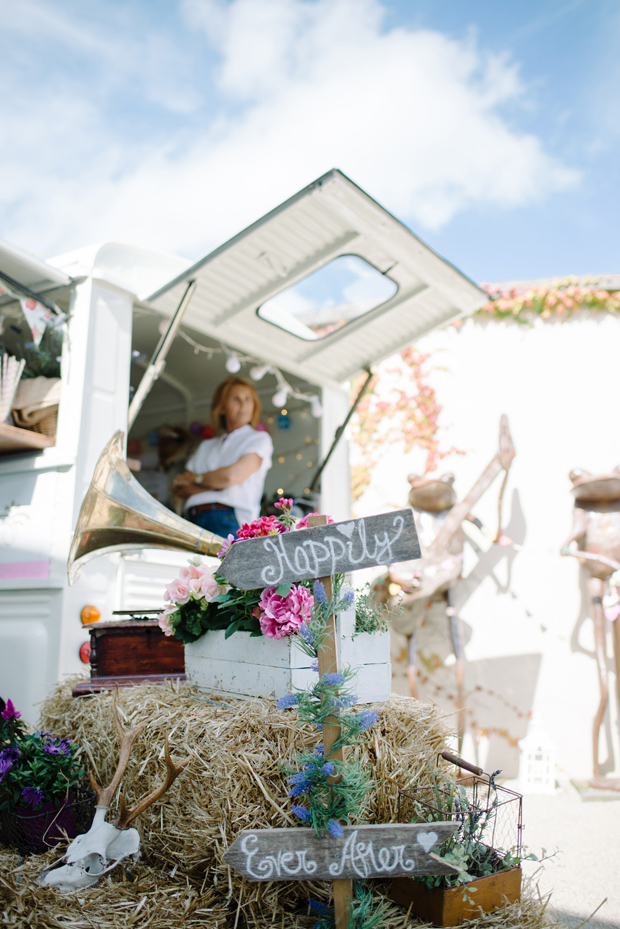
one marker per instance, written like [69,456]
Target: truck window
[30,359]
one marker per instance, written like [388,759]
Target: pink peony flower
[177,591]
[282,616]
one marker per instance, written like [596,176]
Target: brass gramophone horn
[119,515]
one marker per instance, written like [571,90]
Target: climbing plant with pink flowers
[400,407]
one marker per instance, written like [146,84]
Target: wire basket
[490,816]
[33,832]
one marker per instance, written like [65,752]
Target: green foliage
[36,767]
[333,792]
[236,610]
[562,298]
[361,914]
[370,616]
[467,849]
[44,361]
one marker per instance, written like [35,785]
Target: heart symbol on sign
[347,529]
[427,840]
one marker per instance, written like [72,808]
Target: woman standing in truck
[223,483]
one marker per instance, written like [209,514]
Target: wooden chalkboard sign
[318,551]
[379,851]
[321,551]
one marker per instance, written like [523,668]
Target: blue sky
[491,129]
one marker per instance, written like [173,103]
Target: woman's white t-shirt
[226,450]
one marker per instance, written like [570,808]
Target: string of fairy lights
[259,369]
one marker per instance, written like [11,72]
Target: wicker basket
[33,832]
[46,425]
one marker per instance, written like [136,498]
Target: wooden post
[328,663]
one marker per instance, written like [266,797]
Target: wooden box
[246,666]
[449,906]
[131,652]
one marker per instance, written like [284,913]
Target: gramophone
[119,515]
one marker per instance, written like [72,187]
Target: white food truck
[302,301]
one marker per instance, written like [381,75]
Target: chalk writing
[360,856]
[363,851]
[273,867]
[322,550]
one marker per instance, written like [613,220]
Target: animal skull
[93,854]
[100,849]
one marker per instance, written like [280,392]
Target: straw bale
[233,782]
[142,897]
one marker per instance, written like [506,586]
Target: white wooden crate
[246,666]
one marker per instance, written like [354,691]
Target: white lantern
[536,761]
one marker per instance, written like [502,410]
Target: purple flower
[329,769]
[300,786]
[11,753]
[314,666]
[60,748]
[367,719]
[319,750]
[5,765]
[306,634]
[320,594]
[9,712]
[301,813]
[33,796]
[287,700]
[333,679]
[321,908]
[349,597]
[335,829]
[348,701]
[226,545]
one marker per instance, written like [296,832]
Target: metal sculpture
[595,542]
[416,585]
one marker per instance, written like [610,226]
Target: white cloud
[412,116]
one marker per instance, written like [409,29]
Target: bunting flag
[37,316]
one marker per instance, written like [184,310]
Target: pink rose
[205,585]
[186,574]
[282,616]
[164,624]
[177,592]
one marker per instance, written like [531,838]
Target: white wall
[525,611]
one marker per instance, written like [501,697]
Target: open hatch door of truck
[324,285]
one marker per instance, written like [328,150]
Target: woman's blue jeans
[221,522]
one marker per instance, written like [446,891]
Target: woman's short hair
[220,398]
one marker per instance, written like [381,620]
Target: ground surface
[586,869]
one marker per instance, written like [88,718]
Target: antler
[127,816]
[104,795]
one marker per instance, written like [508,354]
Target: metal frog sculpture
[595,542]
[415,585]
